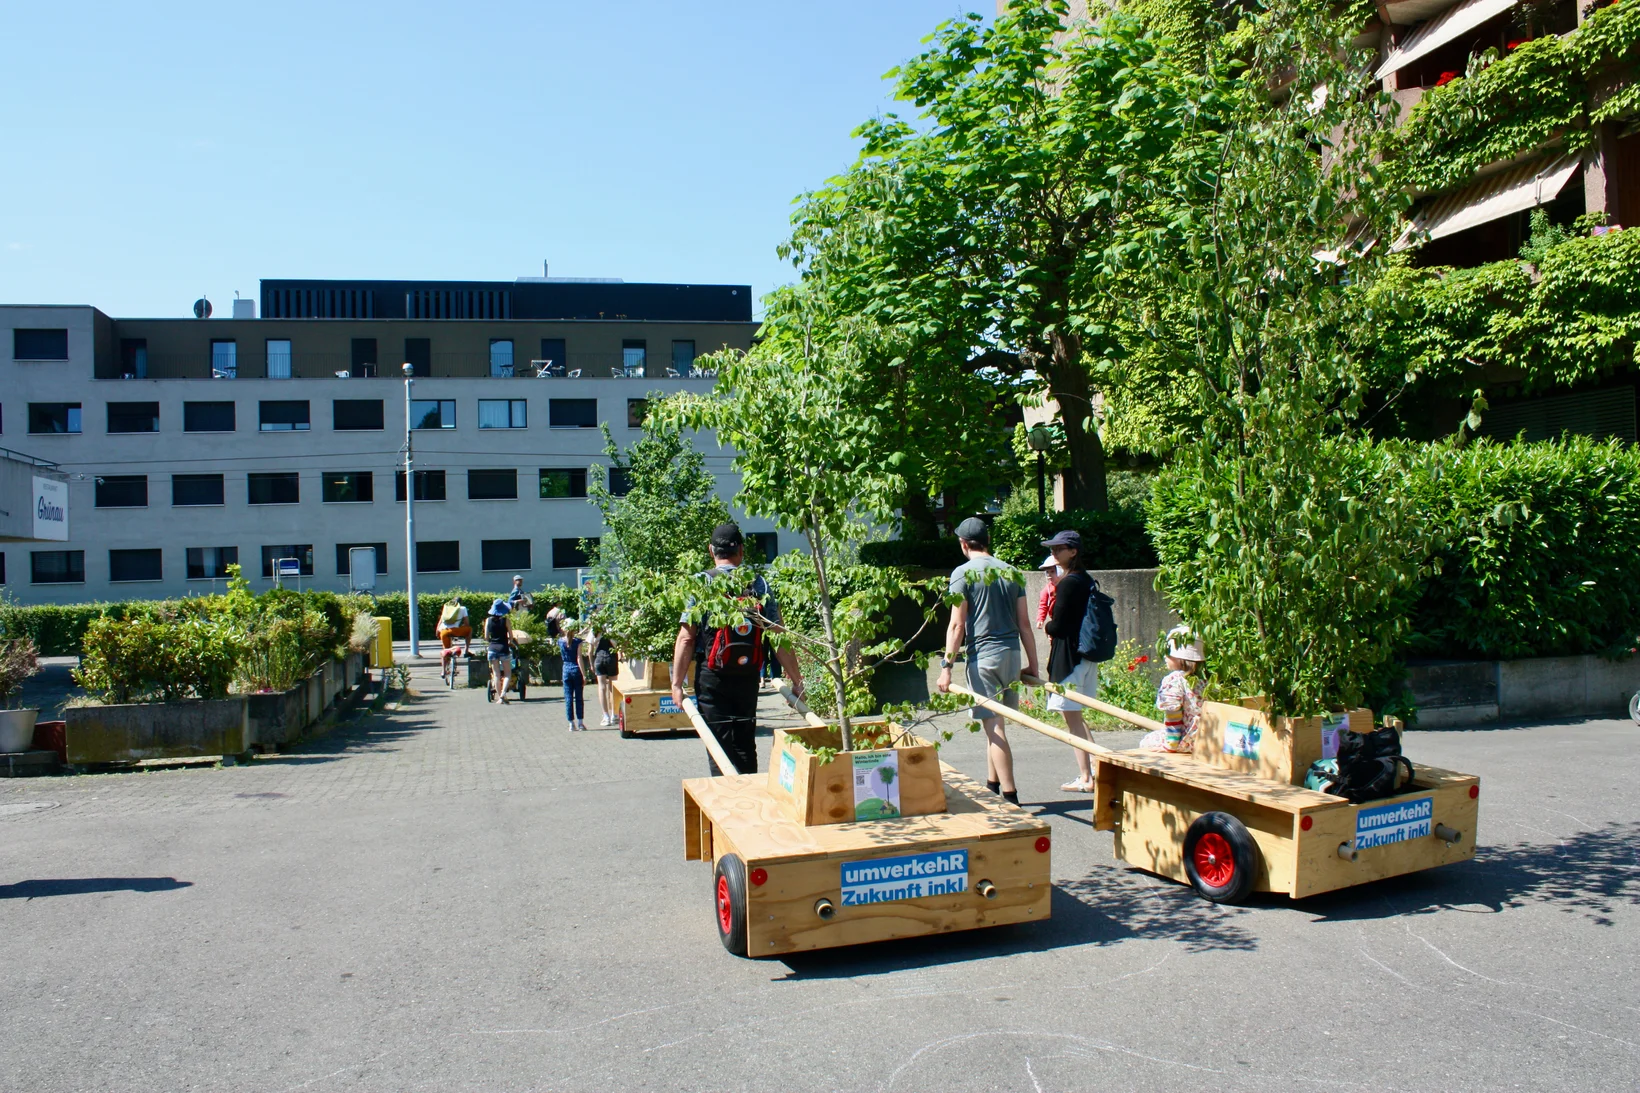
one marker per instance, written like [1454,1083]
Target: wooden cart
[643,697]
[793,870]
[1234,818]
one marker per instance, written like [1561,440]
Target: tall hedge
[1116,539]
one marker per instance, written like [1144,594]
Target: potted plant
[19,660]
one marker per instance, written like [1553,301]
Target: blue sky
[163,150]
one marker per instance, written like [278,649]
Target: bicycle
[519,681]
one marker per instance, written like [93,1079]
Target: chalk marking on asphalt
[1557,812]
[1036,1085]
[695,1001]
[1118,979]
[1400,917]
[333,1073]
[1491,1006]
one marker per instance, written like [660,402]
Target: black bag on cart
[1369,766]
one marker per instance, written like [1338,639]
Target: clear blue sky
[157,151]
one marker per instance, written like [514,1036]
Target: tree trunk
[1069,386]
[834,654]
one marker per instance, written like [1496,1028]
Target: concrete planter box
[1476,692]
[278,717]
[156,730]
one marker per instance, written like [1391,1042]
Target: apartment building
[192,444]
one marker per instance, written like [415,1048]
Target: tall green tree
[977,232]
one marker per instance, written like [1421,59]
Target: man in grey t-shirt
[992,615]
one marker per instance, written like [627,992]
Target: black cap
[1071,539]
[974,530]
[726,539]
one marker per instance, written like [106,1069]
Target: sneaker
[582,725]
[606,721]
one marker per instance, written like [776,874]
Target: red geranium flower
[1144,660]
[1446,78]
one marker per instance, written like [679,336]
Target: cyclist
[498,636]
[453,623]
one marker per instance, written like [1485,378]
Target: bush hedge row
[1112,540]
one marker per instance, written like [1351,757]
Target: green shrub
[913,553]
[1115,539]
[56,629]
[149,658]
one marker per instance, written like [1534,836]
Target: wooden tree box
[880,783]
[653,674]
[1244,738]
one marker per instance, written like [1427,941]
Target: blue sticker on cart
[884,880]
[1394,823]
[668,706]
[1241,739]
[788,772]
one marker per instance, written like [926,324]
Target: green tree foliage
[1301,556]
[983,224]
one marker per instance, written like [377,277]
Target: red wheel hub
[1214,861]
[724,908]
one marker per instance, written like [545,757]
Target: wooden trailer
[643,697]
[1234,817]
[796,867]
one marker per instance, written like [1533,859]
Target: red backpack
[735,650]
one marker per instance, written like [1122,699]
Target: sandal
[1077,786]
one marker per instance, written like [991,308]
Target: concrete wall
[1455,693]
[312,453]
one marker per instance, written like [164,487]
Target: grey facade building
[189,444]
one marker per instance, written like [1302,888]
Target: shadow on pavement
[358,733]
[1591,873]
[84,886]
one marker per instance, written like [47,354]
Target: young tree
[979,233]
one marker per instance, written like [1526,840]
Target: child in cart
[1179,696]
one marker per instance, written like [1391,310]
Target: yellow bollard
[381,653]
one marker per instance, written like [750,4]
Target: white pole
[410,517]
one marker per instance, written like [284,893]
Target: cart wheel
[626,733]
[1634,708]
[523,683]
[1220,858]
[729,902]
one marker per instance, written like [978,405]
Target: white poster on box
[50,509]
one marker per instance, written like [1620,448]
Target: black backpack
[1369,766]
[1097,640]
[734,650]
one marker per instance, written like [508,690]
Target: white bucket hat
[1183,644]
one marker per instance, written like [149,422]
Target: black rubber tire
[626,733]
[1244,858]
[523,682]
[729,882]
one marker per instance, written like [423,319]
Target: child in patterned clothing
[1179,696]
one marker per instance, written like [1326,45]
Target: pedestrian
[994,620]
[1179,695]
[1044,604]
[1066,665]
[518,599]
[728,660]
[605,664]
[572,648]
[498,639]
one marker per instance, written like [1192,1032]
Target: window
[57,566]
[39,345]
[636,410]
[134,358]
[224,360]
[278,359]
[572,413]
[501,357]
[133,417]
[364,359]
[501,413]
[567,553]
[347,487]
[122,491]
[419,353]
[276,488]
[511,554]
[683,356]
[563,482]
[492,485]
[211,563]
[442,556]
[302,552]
[285,417]
[432,414]
[620,481]
[356,413]
[196,489]
[344,562]
[762,546]
[207,417]
[53,417]
[429,486]
[135,565]
[634,352]
[556,356]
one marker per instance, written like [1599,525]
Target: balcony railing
[442,365]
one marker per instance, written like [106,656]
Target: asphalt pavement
[456,896]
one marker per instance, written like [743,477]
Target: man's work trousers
[728,705]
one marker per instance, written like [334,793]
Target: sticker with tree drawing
[876,785]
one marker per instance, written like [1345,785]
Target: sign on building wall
[50,509]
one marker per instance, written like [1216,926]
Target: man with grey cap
[996,623]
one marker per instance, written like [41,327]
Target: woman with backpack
[1066,665]
[605,664]
[498,638]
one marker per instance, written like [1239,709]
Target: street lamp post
[1039,439]
[410,516]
